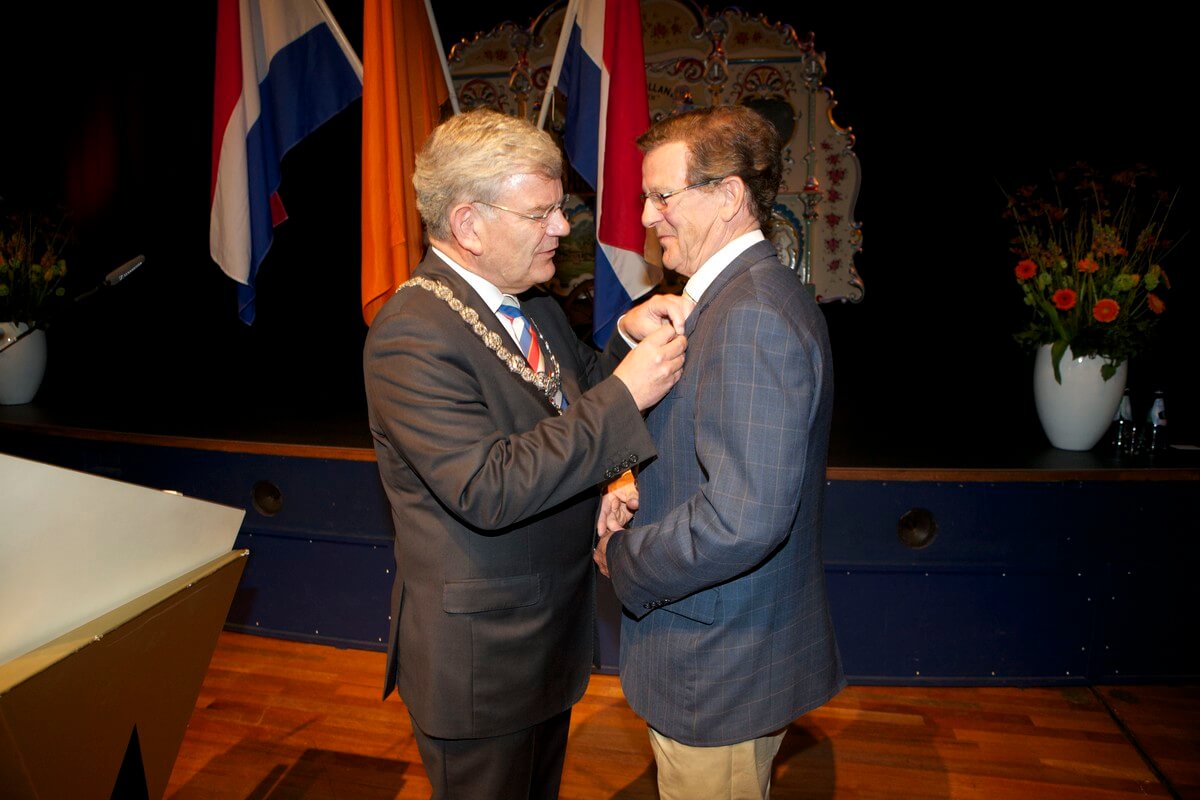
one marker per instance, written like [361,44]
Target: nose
[557,223]
[650,213]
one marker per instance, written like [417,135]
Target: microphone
[111,279]
[122,272]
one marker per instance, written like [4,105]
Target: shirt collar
[490,295]
[721,259]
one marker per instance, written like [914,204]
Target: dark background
[108,111]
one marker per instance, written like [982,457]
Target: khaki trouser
[739,771]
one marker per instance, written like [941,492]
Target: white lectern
[111,600]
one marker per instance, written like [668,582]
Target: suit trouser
[525,765]
[739,771]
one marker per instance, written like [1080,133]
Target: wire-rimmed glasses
[659,199]
[542,219]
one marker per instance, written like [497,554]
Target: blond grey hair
[470,156]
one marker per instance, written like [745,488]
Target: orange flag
[403,89]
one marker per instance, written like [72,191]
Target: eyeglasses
[659,199]
[542,219]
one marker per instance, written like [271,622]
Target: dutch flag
[283,68]
[604,78]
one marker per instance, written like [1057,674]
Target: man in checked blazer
[726,636]
[492,465]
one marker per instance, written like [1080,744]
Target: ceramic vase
[22,362]
[1076,413]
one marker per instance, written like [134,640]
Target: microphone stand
[111,279]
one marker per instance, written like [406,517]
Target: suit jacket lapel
[750,256]
[436,269]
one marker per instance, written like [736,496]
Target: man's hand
[600,554]
[653,367]
[616,510]
[617,505]
[661,309]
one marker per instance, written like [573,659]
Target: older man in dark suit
[494,425]
[727,636]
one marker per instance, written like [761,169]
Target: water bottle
[1122,435]
[1156,424]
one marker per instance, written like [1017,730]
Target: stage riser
[1025,582]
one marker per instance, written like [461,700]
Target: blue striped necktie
[527,338]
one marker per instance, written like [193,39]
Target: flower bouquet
[31,268]
[1089,252]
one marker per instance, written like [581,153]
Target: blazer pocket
[491,594]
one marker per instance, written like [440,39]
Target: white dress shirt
[710,269]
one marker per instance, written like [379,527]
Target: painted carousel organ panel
[695,59]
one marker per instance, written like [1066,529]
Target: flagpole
[343,42]
[560,52]
[437,43]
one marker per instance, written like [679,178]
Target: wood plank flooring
[279,720]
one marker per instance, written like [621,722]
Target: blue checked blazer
[726,634]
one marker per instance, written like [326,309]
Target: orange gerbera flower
[1155,303]
[1087,265]
[1106,310]
[1064,299]
[1026,269]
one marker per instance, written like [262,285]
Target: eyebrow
[559,202]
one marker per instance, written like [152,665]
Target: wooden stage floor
[279,720]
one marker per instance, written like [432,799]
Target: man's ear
[464,224]
[733,195]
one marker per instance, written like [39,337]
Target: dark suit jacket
[727,634]
[493,499]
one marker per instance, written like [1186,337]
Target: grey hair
[470,156]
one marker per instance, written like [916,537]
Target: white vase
[22,364]
[1076,413]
